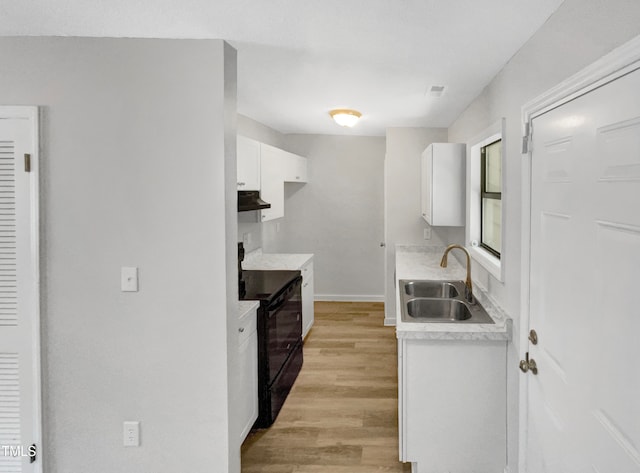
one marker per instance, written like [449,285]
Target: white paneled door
[20,418]
[584,403]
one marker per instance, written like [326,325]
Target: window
[491,195]
[485,183]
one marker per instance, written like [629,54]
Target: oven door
[283,328]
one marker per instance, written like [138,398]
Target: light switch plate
[129,279]
[427,233]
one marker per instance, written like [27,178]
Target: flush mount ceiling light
[345,116]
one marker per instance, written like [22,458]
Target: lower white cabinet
[248,372]
[308,313]
[452,405]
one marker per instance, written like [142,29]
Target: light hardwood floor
[341,415]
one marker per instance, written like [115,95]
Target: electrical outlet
[246,239]
[131,434]
[427,233]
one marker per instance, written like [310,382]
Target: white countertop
[246,306]
[286,261]
[423,262]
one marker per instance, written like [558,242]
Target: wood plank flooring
[341,415]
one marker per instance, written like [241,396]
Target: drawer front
[246,326]
[307,305]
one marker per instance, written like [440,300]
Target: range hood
[250,200]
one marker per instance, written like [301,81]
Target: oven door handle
[274,308]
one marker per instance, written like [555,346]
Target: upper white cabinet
[277,167]
[443,186]
[295,168]
[265,168]
[272,181]
[248,152]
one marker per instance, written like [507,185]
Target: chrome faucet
[468,292]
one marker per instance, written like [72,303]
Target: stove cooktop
[265,285]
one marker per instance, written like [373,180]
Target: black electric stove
[266,285]
[279,335]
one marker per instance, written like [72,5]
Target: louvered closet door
[19,341]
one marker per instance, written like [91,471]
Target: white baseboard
[347,298]
[390,322]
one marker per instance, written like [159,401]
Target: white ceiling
[297,59]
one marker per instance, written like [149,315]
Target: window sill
[489,262]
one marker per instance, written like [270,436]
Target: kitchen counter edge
[423,262]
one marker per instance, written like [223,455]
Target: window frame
[494,265]
[484,194]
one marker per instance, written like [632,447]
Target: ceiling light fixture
[345,116]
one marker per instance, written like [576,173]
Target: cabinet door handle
[241,329]
[298,177]
[305,284]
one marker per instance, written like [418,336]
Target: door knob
[528,364]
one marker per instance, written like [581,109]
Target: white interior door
[20,423]
[584,403]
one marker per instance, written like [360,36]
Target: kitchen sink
[438,289]
[432,301]
[449,309]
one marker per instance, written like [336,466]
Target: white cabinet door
[443,184]
[248,373]
[426,160]
[308,297]
[248,153]
[452,405]
[294,168]
[272,162]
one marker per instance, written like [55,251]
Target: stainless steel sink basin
[427,301]
[438,289]
[449,309]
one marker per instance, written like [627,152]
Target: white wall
[580,32]
[229,134]
[134,173]
[403,221]
[255,130]
[338,215]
